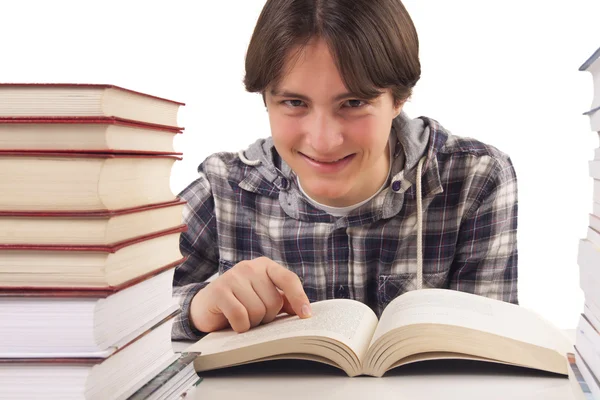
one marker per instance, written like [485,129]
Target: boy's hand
[250,293]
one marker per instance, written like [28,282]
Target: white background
[504,72]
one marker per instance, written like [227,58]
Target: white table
[448,380]
[439,380]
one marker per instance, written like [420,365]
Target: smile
[328,161]
[328,166]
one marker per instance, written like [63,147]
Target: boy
[348,198]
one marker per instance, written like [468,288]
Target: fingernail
[305,310]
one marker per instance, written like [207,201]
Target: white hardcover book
[596,209]
[580,387]
[592,313]
[590,379]
[595,220]
[594,171]
[114,378]
[596,187]
[173,382]
[76,324]
[587,340]
[592,65]
[588,259]
[594,116]
[593,236]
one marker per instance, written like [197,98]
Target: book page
[450,307]
[347,321]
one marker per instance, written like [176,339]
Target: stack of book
[89,239]
[585,362]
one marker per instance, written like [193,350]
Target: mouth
[328,165]
[327,161]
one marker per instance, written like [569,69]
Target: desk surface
[443,379]
[436,380]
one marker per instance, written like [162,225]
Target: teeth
[327,162]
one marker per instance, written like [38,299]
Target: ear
[398,107]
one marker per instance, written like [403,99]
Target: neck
[369,183]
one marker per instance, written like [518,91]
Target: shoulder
[481,160]
[465,146]
[213,175]
[468,156]
[218,165]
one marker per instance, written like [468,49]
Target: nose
[324,132]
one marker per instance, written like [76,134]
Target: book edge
[111,248]
[89,120]
[92,213]
[92,85]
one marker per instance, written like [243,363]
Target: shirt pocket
[391,286]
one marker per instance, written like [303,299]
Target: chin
[326,193]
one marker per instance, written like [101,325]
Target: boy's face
[336,143]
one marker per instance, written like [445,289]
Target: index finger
[290,285]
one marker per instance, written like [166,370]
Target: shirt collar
[280,183]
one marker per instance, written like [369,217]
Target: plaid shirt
[469,193]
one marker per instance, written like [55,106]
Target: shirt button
[396,186]
[284,183]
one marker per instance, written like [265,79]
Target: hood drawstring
[252,163]
[419,227]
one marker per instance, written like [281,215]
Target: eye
[354,103]
[293,103]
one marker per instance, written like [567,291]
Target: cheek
[368,132]
[284,130]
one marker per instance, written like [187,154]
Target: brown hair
[374,43]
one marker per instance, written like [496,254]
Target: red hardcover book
[39,181]
[26,267]
[85,135]
[55,100]
[102,228]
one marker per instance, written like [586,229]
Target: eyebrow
[285,93]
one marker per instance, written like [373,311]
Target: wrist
[194,316]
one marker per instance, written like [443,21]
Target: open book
[416,326]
